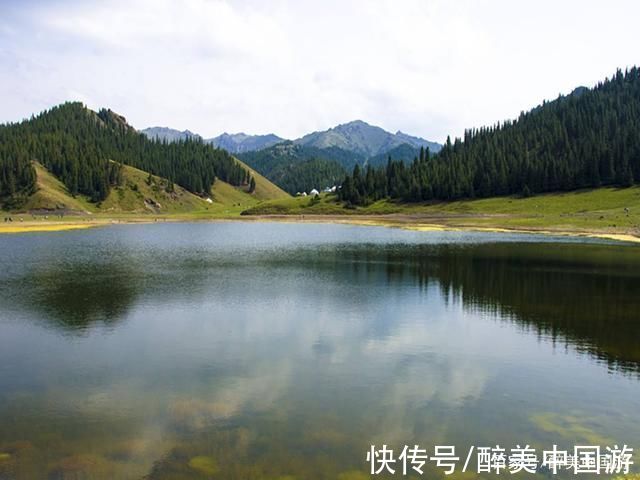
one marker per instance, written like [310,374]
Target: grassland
[140,194]
[139,198]
[51,194]
[265,189]
[605,212]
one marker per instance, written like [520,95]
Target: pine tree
[576,141]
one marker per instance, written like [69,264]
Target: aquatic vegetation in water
[204,464]
[16,460]
[570,427]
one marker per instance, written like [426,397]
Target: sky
[426,67]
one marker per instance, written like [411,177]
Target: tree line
[587,139]
[86,151]
[300,168]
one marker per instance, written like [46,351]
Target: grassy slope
[129,198]
[588,209]
[265,190]
[52,194]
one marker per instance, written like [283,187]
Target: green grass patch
[141,194]
[603,208]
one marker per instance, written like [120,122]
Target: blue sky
[425,67]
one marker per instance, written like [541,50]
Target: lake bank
[608,213]
[416,222]
[429,224]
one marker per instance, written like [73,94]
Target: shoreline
[393,221]
[404,221]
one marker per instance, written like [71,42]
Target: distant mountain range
[231,142]
[358,137]
[168,134]
[316,160]
[241,142]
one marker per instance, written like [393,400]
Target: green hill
[586,139]
[51,194]
[71,158]
[404,152]
[298,168]
[85,151]
[265,189]
[140,193]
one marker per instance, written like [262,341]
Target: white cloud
[425,67]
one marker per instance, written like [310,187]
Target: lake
[283,351]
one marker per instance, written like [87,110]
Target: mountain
[241,142]
[334,151]
[403,152]
[90,152]
[168,134]
[297,168]
[586,139]
[231,142]
[358,138]
[361,138]
[418,142]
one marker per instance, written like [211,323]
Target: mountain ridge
[356,136]
[169,134]
[242,142]
[360,137]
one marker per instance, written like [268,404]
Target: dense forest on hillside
[298,168]
[405,152]
[85,150]
[17,175]
[587,139]
[307,175]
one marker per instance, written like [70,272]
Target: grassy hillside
[51,194]
[265,190]
[602,208]
[139,194]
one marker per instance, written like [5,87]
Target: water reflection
[74,297]
[270,351]
[585,297]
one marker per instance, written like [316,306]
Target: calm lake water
[282,351]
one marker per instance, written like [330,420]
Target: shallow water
[265,350]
